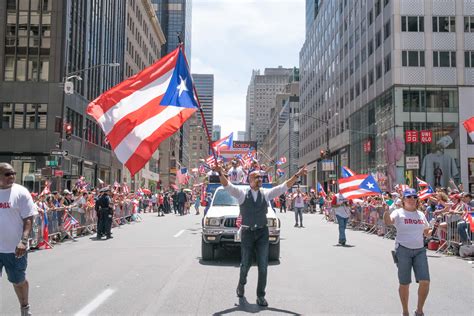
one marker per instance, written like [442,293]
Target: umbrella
[146,191]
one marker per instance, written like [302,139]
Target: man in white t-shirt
[236,173]
[16,219]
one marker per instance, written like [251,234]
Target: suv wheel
[207,250]
[274,252]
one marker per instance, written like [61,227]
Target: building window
[444,59]
[385,2]
[370,17]
[371,77]
[370,47]
[413,58]
[378,7]
[378,70]
[444,24]
[364,83]
[412,24]
[386,30]
[469,59]
[378,39]
[469,24]
[387,63]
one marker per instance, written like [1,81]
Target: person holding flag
[465,225]
[410,253]
[253,203]
[17,210]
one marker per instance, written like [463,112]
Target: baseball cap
[409,192]
[66,191]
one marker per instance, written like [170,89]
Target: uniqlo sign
[426,136]
[411,136]
[367,146]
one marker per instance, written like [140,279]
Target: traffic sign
[332,176]
[58,173]
[51,163]
[59,153]
[70,176]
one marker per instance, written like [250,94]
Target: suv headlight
[212,221]
[271,222]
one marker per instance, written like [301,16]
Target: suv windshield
[223,198]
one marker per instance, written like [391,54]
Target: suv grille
[230,222]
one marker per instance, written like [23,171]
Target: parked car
[219,228]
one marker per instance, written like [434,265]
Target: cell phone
[394,256]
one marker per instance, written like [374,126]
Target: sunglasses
[9,174]
[411,197]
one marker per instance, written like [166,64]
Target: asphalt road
[154,268]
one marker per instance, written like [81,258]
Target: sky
[230,38]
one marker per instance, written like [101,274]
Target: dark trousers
[282,206]
[104,223]
[181,208]
[255,241]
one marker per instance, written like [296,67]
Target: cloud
[232,37]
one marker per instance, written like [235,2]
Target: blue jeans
[342,222]
[299,212]
[254,241]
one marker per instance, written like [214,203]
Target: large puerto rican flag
[358,186]
[142,111]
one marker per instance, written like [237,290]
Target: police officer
[253,203]
[104,210]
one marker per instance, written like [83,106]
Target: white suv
[219,227]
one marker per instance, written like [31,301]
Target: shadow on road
[345,246]
[229,257]
[245,306]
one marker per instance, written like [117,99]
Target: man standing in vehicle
[253,203]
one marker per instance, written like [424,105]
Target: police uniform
[104,215]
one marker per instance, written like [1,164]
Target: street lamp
[69,90]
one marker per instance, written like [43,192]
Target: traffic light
[322,153]
[68,130]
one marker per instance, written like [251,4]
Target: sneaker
[25,310]
[261,301]
[240,290]
[109,237]
[296,225]
[301,226]
[418,314]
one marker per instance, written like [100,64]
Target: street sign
[59,153]
[327,165]
[51,163]
[70,176]
[332,176]
[58,173]
[412,162]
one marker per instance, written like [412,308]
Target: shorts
[15,267]
[412,258]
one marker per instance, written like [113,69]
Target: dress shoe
[240,290]
[261,301]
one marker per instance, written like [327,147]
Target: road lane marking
[179,233]
[101,298]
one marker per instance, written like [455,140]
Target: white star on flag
[182,85]
[370,185]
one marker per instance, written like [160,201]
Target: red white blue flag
[145,109]
[223,143]
[426,193]
[358,186]
[346,172]
[321,190]
[421,183]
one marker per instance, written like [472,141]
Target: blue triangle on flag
[370,184]
[180,89]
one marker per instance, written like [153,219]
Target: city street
[154,267]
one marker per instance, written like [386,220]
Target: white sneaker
[25,310]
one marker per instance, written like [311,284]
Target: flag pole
[181,46]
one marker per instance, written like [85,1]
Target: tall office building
[216,132]
[43,45]
[199,142]
[143,39]
[389,81]
[312,10]
[261,95]
[175,19]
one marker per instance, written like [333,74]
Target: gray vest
[254,213]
